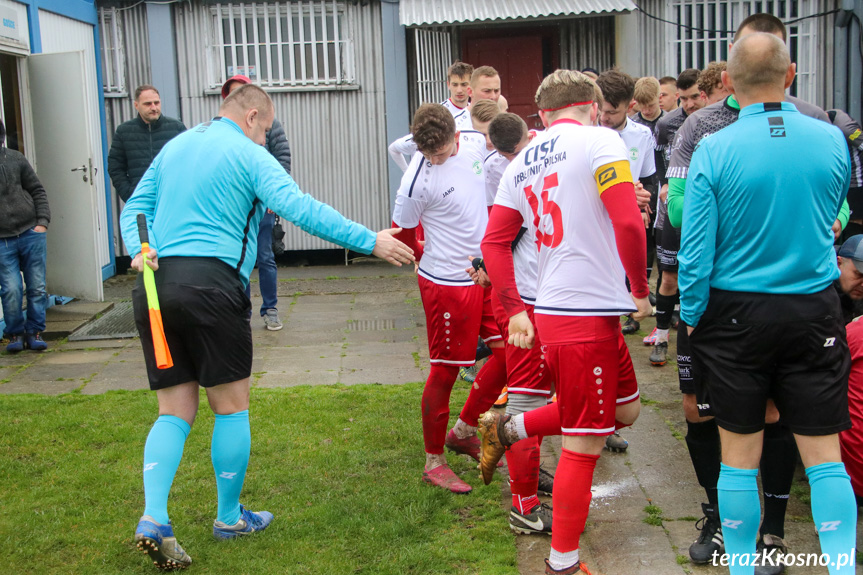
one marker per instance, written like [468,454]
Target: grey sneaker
[659,355]
[272,321]
[468,374]
[616,443]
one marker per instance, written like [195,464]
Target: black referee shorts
[205,313]
[791,348]
[689,375]
[667,241]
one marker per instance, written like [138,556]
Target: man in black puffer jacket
[139,140]
[24,219]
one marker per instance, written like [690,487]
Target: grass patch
[654,515]
[338,466]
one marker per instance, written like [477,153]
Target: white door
[64,165]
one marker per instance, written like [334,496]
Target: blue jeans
[268,275]
[26,253]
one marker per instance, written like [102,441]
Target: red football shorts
[526,369]
[592,369]
[453,319]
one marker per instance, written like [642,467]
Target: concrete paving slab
[297,377]
[102,383]
[52,372]
[77,356]
[643,551]
[26,385]
[101,344]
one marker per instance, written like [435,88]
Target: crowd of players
[566,221]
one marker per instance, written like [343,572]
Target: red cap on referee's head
[238,78]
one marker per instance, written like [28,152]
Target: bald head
[252,110]
[759,62]
[245,98]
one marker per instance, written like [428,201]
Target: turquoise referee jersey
[207,190]
[761,197]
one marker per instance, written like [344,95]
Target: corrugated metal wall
[587,43]
[118,109]
[61,34]
[133,26]
[337,138]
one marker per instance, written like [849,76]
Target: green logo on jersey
[633,154]
[477,168]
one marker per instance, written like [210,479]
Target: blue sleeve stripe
[417,175]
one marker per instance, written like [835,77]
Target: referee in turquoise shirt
[203,197]
[756,267]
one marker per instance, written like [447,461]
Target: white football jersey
[556,182]
[406,146]
[494,166]
[449,201]
[453,109]
[639,149]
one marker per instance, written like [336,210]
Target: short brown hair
[247,97]
[459,69]
[486,71]
[668,80]
[564,87]
[761,22]
[617,87]
[143,88]
[646,90]
[484,110]
[433,127]
[506,131]
[710,79]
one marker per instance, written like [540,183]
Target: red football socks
[522,459]
[486,388]
[571,498]
[542,421]
[435,406]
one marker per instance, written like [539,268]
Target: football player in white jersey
[458,83]
[444,190]
[574,182]
[529,381]
[618,90]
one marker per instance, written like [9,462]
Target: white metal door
[64,166]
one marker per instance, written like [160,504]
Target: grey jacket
[23,201]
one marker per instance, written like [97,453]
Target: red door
[521,57]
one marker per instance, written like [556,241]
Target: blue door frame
[82,11]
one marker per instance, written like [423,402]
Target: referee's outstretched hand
[392,250]
[643,307]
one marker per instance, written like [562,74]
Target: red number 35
[551,209]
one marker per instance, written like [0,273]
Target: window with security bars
[113,54]
[282,44]
[714,23]
[433,51]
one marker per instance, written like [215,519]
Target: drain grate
[371,324]
[117,323]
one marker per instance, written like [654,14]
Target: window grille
[113,54]
[695,49]
[282,44]
[433,50]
